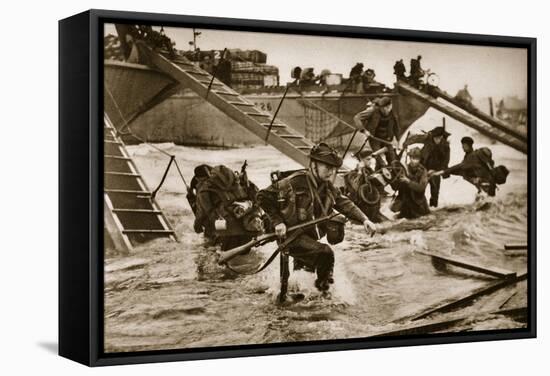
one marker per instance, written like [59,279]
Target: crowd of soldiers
[416,71]
[231,209]
[361,80]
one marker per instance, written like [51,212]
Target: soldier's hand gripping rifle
[263,239]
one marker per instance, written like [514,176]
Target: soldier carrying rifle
[304,196]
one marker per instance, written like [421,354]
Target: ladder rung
[117,157]
[184,62]
[257,114]
[198,73]
[131,231]
[137,211]
[225,93]
[122,173]
[289,135]
[208,83]
[112,142]
[241,104]
[126,191]
[274,125]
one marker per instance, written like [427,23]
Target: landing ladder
[498,131]
[282,137]
[131,214]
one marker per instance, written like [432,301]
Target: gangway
[493,129]
[131,214]
[283,137]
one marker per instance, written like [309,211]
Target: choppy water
[173,295]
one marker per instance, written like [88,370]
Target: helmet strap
[314,170]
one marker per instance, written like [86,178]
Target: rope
[129,132]
[154,193]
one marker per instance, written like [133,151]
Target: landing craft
[153,75]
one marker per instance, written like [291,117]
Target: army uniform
[478,168]
[385,127]
[416,71]
[365,192]
[399,70]
[300,198]
[214,196]
[434,157]
[411,199]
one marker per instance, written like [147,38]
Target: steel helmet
[415,153]
[325,154]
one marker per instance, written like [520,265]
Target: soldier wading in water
[304,196]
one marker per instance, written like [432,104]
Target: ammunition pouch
[334,228]
[500,173]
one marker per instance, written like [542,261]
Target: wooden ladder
[131,215]
[506,136]
[282,137]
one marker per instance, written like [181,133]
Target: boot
[322,285]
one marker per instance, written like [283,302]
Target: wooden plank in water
[492,271]
[515,247]
[468,298]
[515,312]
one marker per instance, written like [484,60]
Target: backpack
[500,173]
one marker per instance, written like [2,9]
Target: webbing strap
[130,133]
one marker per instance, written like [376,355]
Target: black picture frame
[81,182]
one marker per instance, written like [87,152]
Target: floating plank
[515,312]
[515,247]
[468,298]
[492,271]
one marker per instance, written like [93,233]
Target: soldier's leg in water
[316,254]
[435,184]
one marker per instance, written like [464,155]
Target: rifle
[263,239]
[244,175]
[404,146]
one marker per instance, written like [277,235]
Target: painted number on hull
[264,106]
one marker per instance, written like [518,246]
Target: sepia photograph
[271,188]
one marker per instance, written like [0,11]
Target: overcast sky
[488,71]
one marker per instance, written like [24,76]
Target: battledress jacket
[384,127]
[476,164]
[434,156]
[292,201]
[411,193]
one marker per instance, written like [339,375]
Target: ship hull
[187,119]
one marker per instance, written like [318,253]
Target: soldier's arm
[267,199]
[205,207]
[345,206]
[457,169]
[361,118]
